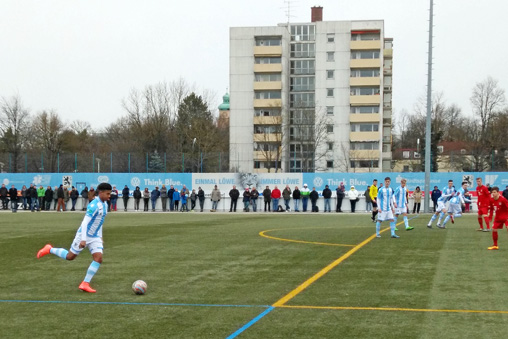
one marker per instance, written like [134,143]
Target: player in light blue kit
[386,205]
[455,207]
[448,193]
[88,235]
[401,200]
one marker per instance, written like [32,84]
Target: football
[139,287]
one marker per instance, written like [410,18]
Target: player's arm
[393,203]
[378,202]
[371,193]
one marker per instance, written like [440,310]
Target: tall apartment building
[311,97]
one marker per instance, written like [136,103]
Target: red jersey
[483,195]
[500,206]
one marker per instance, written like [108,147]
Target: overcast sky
[82,58]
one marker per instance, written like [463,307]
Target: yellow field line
[262,233]
[321,273]
[392,309]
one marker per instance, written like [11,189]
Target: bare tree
[46,131]
[14,122]
[487,99]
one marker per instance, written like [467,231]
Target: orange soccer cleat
[44,251]
[84,286]
[493,248]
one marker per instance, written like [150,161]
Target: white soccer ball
[139,287]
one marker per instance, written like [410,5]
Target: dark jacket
[4,192]
[33,192]
[314,195]
[505,193]
[254,194]
[171,191]
[60,193]
[267,194]
[340,193]
[234,194]
[246,196]
[155,194]
[13,194]
[49,194]
[201,194]
[435,195]
[125,192]
[84,193]
[296,194]
[327,193]
[74,194]
[137,193]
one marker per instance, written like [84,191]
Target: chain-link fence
[198,162]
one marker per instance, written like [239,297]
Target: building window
[364,127]
[267,112]
[301,100]
[364,146]
[364,109]
[267,95]
[365,73]
[300,84]
[365,55]
[302,67]
[329,92]
[257,164]
[405,168]
[307,50]
[365,36]
[329,128]
[329,74]
[330,56]
[364,163]
[267,60]
[303,33]
[329,110]
[263,77]
[365,91]
[440,149]
[330,146]
[329,164]
[268,41]
[330,37]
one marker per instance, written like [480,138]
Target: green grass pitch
[210,274]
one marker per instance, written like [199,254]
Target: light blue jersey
[447,194]
[385,198]
[401,196]
[91,227]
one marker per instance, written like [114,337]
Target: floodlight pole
[429,112]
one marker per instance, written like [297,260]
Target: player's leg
[406,222]
[392,228]
[96,249]
[441,215]
[378,227]
[434,217]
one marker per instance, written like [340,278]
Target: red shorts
[498,225]
[483,210]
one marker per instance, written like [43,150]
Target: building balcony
[268,137]
[266,155]
[267,68]
[262,103]
[364,136]
[387,155]
[268,51]
[364,154]
[365,63]
[268,85]
[374,117]
[387,70]
[367,81]
[277,120]
[388,53]
[365,45]
[365,100]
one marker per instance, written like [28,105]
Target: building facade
[311,97]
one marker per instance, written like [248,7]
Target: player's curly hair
[104,186]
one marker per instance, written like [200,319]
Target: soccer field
[264,275]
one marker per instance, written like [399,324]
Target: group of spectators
[38,199]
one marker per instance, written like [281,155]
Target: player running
[373,197]
[483,205]
[88,235]
[401,195]
[455,207]
[498,204]
[386,204]
[447,194]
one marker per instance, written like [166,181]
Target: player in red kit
[498,204]
[483,205]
